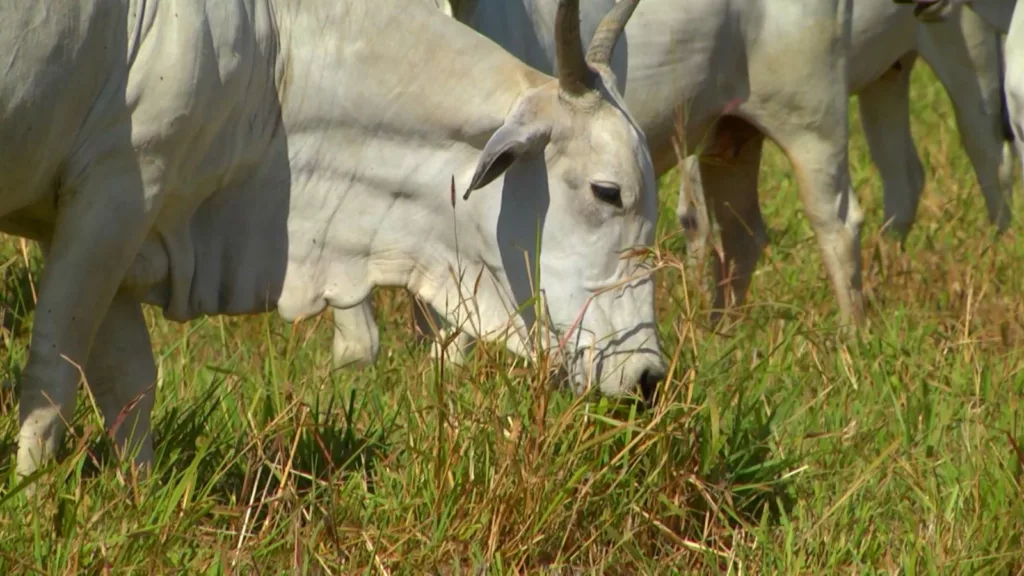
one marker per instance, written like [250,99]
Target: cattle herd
[291,155]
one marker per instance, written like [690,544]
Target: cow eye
[607,192]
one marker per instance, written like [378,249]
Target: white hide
[238,157]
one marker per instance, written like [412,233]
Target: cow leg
[356,336]
[122,376]
[820,162]
[433,327]
[1006,163]
[885,116]
[100,226]
[731,186]
[692,210]
[964,52]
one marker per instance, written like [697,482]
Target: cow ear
[510,143]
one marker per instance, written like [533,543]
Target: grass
[778,448]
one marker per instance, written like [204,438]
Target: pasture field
[777,447]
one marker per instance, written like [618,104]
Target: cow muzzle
[621,372]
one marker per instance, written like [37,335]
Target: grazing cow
[240,157]
[703,54]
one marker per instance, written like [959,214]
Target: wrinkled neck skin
[372,169]
[397,225]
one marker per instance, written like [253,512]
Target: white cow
[237,157]
[701,55]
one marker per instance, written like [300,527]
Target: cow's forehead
[613,133]
[617,103]
[607,87]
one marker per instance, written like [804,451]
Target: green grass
[778,448]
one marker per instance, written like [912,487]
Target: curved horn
[608,32]
[573,73]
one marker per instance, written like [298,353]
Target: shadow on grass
[721,463]
[300,448]
[315,448]
[16,296]
[752,478]
[690,473]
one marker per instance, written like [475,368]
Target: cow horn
[608,32]
[573,72]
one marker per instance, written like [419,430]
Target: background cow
[704,58]
[1004,16]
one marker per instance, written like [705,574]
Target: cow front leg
[356,336]
[100,226]
[822,170]
[804,108]
[1007,159]
[730,183]
[692,210]
[432,327]
[885,116]
[122,377]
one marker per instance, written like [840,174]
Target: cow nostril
[649,381]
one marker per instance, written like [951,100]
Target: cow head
[575,198]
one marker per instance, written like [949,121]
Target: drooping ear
[508,144]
